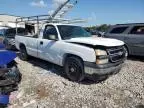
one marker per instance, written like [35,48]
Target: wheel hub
[72,69]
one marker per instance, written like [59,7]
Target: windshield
[68,32]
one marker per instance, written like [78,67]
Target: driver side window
[50,33]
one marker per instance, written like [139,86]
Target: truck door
[135,40]
[48,45]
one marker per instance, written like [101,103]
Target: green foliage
[102,28]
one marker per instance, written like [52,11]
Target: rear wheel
[23,53]
[74,69]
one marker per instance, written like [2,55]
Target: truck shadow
[55,69]
[136,58]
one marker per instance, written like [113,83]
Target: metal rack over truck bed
[55,17]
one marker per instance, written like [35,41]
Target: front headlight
[100,52]
[101,56]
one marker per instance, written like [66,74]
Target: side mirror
[53,37]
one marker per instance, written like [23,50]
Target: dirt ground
[45,86]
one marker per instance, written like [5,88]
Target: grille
[116,54]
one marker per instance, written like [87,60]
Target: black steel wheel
[74,69]
[23,54]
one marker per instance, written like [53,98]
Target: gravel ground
[44,86]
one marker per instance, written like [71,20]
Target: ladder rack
[45,19]
[56,17]
[64,8]
[33,18]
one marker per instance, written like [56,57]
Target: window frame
[45,30]
[133,27]
[126,27]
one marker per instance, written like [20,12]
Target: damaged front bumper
[106,69]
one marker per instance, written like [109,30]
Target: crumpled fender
[6,57]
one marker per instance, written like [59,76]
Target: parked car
[95,32]
[132,34]
[2,31]
[9,37]
[9,75]
[1,37]
[73,48]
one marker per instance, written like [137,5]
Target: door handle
[41,42]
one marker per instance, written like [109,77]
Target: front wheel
[74,69]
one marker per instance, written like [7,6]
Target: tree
[103,28]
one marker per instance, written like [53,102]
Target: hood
[97,41]
[6,57]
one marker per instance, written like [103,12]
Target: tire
[126,50]
[23,53]
[74,69]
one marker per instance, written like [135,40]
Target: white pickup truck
[75,49]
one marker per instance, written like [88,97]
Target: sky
[95,11]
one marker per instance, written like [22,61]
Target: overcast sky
[96,11]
